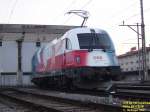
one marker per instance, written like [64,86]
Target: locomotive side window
[50,52]
[95,41]
[53,50]
[68,44]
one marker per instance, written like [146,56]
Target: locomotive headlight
[78,59]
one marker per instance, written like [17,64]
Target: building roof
[12,29]
[131,53]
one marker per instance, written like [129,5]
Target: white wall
[28,49]
[129,63]
[8,56]
[9,62]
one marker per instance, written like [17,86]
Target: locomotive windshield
[95,41]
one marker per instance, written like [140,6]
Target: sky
[104,14]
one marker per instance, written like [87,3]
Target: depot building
[131,62]
[18,43]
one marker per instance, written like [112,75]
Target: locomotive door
[64,52]
[68,48]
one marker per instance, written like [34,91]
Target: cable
[137,14]
[134,15]
[123,10]
[118,13]
[12,10]
[62,12]
[67,19]
[85,5]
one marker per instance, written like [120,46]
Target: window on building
[38,44]
[1,43]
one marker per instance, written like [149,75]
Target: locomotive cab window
[68,44]
[95,41]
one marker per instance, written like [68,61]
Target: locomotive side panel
[76,58]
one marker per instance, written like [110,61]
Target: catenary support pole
[143,43]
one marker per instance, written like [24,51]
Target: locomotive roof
[81,30]
[85,29]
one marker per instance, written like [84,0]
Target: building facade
[18,43]
[129,62]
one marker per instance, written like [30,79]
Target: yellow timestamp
[134,106]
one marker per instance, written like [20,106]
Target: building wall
[8,56]
[30,34]
[9,62]
[28,50]
[11,80]
[131,62]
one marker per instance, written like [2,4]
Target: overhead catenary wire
[86,4]
[119,15]
[124,10]
[137,14]
[82,13]
[82,7]
[66,9]
[12,10]
[127,19]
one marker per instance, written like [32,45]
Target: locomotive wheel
[117,78]
[69,84]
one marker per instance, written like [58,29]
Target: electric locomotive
[81,57]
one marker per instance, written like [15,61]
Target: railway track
[133,90]
[119,90]
[82,101]
[7,105]
[53,102]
